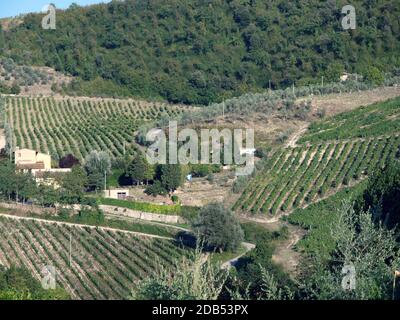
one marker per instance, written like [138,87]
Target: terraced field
[336,152]
[377,119]
[294,177]
[105,264]
[77,125]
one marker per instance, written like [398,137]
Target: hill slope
[104,264]
[202,51]
[80,125]
[337,154]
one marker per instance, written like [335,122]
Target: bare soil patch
[198,192]
[337,103]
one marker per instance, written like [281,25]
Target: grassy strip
[101,221]
[222,257]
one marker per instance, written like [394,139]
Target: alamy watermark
[49,277]
[349,20]
[49,20]
[349,278]
[183,147]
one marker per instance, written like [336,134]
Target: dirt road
[291,143]
[231,263]
[285,253]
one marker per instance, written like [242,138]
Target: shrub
[156,189]
[240,184]
[218,228]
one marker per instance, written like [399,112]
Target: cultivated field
[78,125]
[298,176]
[105,264]
[336,152]
[368,121]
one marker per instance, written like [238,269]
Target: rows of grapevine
[104,264]
[298,176]
[377,119]
[77,125]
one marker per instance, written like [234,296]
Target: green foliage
[98,162]
[256,266]
[15,88]
[140,170]
[171,176]
[333,72]
[255,233]
[317,218]
[240,184]
[218,228]
[256,274]
[374,75]
[202,170]
[3,116]
[358,242]
[175,209]
[97,165]
[96,218]
[16,283]
[73,186]
[16,185]
[376,119]
[200,52]
[382,195]
[156,189]
[90,216]
[194,278]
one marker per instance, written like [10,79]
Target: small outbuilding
[121,194]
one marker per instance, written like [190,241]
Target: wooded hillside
[202,51]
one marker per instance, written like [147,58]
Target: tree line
[198,52]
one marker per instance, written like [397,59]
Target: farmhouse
[35,162]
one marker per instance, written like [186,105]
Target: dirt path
[285,253]
[291,143]
[231,263]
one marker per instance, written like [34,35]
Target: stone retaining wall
[141,215]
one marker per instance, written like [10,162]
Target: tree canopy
[218,228]
[382,195]
[202,51]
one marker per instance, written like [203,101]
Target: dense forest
[203,51]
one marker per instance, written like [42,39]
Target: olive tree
[363,263]
[218,228]
[97,165]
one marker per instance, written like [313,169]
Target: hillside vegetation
[204,51]
[372,120]
[295,177]
[104,264]
[78,126]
